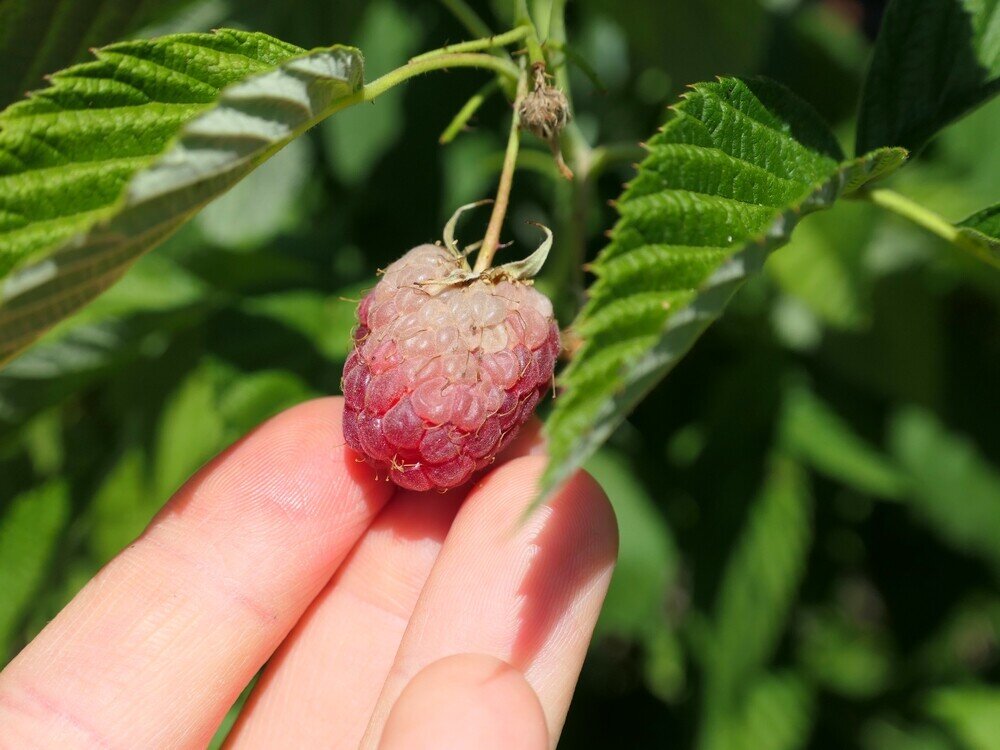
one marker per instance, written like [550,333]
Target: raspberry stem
[474,45]
[492,239]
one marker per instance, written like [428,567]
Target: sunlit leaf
[119,152]
[725,182]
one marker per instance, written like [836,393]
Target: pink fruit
[443,375]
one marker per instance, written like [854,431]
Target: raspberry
[442,376]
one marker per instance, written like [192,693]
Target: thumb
[466,702]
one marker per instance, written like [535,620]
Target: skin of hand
[386,619]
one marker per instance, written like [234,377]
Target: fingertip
[466,701]
[513,490]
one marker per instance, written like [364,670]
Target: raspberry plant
[120,149]
[115,154]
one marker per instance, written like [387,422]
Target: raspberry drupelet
[442,376]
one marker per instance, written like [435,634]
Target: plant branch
[522,17]
[923,217]
[474,45]
[492,239]
[412,69]
[467,17]
[462,117]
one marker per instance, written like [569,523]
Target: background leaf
[754,601]
[983,228]
[816,434]
[69,229]
[725,182]
[934,61]
[38,37]
[359,137]
[29,535]
[950,484]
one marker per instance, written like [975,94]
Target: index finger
[154,650]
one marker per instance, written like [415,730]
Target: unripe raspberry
[442,376]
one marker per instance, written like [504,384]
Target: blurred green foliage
[809,505]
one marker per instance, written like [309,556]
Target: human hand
[388,619]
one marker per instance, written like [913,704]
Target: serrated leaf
[982,229]
[934,61]
[119,152]
[725,183]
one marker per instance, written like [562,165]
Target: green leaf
[844,656]
[122,505]
[647,562]
[885,735]
[190,432]
[951,486]
[29,533]
[934,61]
[355,141]
[119,152]
[41,36]
[261,206]
[155,300]
[972,713]
[759,583]
[777,714]
[814,433]
[725,183]
[635,607]
[255,397]
[824,264]
[983,230]
[325,320]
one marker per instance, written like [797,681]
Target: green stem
[492,239]
[522,17]
[557,34]
[908,209]
[474,45]
[461,119]
[395,77]
[932,222]
[467,17]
